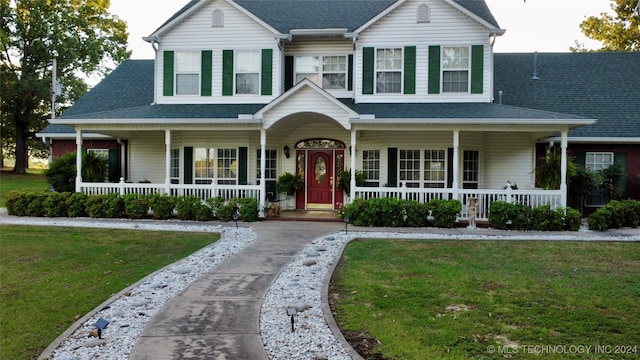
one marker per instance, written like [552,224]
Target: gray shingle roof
[600,85]
[284,15]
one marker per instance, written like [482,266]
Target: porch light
[346,224]
[285,149]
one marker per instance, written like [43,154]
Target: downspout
[154,44]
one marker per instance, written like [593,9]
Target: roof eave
[162,121]
[476,121]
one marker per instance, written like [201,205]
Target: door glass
[321,169]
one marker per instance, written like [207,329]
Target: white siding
[147,157]
[196,34]
[448,27]
[508,157]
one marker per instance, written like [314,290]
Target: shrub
[599,220]
[192,208]
[248,209]
[15,203]
[215,204]
[572,220]
[545,219]
[162,206]
[444,212]
[35,205]
[62,171]
[136,205]
[94,206]
[56,204]
[76,206]
[226,211]
[114,207]
[616,214]
[505,216]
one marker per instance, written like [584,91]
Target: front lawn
[490,299]
[34,180]
[51,276]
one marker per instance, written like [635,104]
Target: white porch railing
[533,198]
[204,191]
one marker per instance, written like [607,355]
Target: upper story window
[389,70]
[217,19]
[455,69]
[247,71]
[187,72]
[331,69]
[423,14]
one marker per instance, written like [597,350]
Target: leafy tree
[82,36]
[617,33]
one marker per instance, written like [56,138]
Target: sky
[532,25]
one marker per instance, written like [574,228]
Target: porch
[484,197]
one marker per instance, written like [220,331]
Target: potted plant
[344,180]
[289,183]
[273,209]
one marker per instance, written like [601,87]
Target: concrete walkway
[217,316]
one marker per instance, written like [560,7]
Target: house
[242,91]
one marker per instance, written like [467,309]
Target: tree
[617,33]
[83,37]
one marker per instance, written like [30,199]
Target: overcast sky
[534,25]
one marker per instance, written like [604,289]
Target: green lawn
[470,299]
[51,276]
[32,181]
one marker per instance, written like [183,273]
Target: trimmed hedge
[616,214]
[133,206]
[394,212]
[507,216]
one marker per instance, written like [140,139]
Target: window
[470,169]
[247,70]
[103,153]
[389,70]
[434,168]
[187,72]
[331,69]
[455,69]
[204,165]
[174,170]
[410,167]
[227,166]
[597,161]
[271,168]
[371,167]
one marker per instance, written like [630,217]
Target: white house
[243,91]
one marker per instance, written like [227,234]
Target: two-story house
[241,91]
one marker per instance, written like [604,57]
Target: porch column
[353,155]
[456,163]
[563,169]
[167,161]
[78,160]
[263,171]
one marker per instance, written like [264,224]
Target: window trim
[321,71]
[421,182]
[271,156]
[374,182]
[258,72]
[460,69]
[177,72]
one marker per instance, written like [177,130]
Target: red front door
[320,179]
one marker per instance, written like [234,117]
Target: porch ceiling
[290,123]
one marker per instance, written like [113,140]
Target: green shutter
[409,69]
[167,74]
[434,69]
[243,164]
[267,71]
[580,158]
[392,167]
[114,165]
[477,68]
[206,73]
[367,70]
[288,72]
[188,165]
[620,160]
[350,73]
[227,72]
[449,167]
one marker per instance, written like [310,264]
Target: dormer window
[328,72]
[424,14]
[217,18]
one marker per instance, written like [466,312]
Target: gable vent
[217,18]
[423,15]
